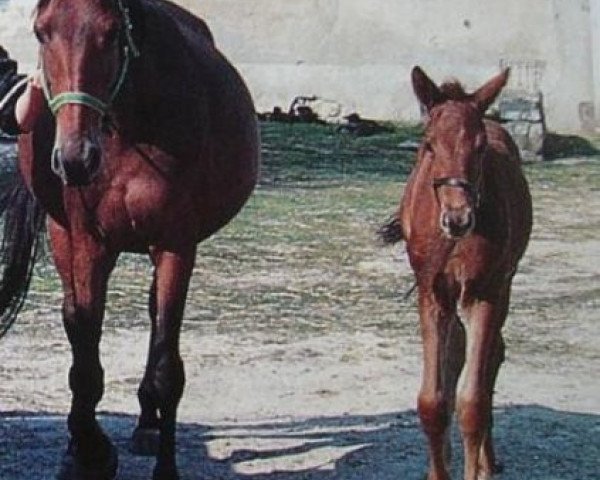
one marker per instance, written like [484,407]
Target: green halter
[81,98]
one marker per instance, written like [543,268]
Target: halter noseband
[82,98]
[454,182]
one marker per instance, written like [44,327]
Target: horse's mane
[40,4]
[453,90]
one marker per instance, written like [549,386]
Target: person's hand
[35,79]
[30,103]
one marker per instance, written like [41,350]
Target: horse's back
[193,24]
[209,112]
[506,182]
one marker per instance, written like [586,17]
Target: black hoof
[144,441]
[72,468]
[165,473]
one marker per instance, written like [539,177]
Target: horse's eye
[427,147]
[112,36]
[41,35]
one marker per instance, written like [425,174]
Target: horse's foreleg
[84,268]
[487,456]
[474,404]
[173,271]
[452,365]
[441,335]
[487,459]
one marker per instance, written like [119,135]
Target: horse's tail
[23,222]
[391,232]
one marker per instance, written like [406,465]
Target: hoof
[165,474]
[488,473]
[71,468]
[144,442]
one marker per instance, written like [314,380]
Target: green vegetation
[315,153]
[302,257]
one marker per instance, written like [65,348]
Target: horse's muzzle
[76,162]
[457,223]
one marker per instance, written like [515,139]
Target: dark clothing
[8,79]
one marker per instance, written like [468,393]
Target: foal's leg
[165,375]
[84,267]
[443,342]
[487,457]
[487,460]
[475,396]
[453,362]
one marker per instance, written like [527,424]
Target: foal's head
[454,145]
[84,55]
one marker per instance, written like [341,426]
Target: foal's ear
[486,94]
[426,91]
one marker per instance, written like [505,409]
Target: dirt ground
[318,401]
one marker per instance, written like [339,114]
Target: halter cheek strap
[82,98]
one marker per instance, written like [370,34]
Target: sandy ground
[340,405]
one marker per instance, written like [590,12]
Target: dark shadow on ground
[535,443]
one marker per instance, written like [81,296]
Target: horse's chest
[135,209]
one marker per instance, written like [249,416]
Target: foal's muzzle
[459,220]
[457,223]
[76,161]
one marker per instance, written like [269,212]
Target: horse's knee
[433,412]
[87,380]
[473,412]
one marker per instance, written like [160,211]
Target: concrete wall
[360,52]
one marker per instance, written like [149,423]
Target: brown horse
[150,145]
[466,219]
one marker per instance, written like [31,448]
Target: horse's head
[454,145]
[85,47]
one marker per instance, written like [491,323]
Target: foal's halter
[472,191]
[129,50]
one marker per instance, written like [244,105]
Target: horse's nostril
[445,220]
[93,159]
[75,174]
[57,163]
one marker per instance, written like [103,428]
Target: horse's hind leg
[84,272]
[164,378]
[145,437]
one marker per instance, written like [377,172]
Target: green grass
[302,257]
[317,153]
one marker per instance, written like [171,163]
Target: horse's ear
[486,94]
[426,91]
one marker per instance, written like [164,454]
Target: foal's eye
[41,35]
[427,148]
